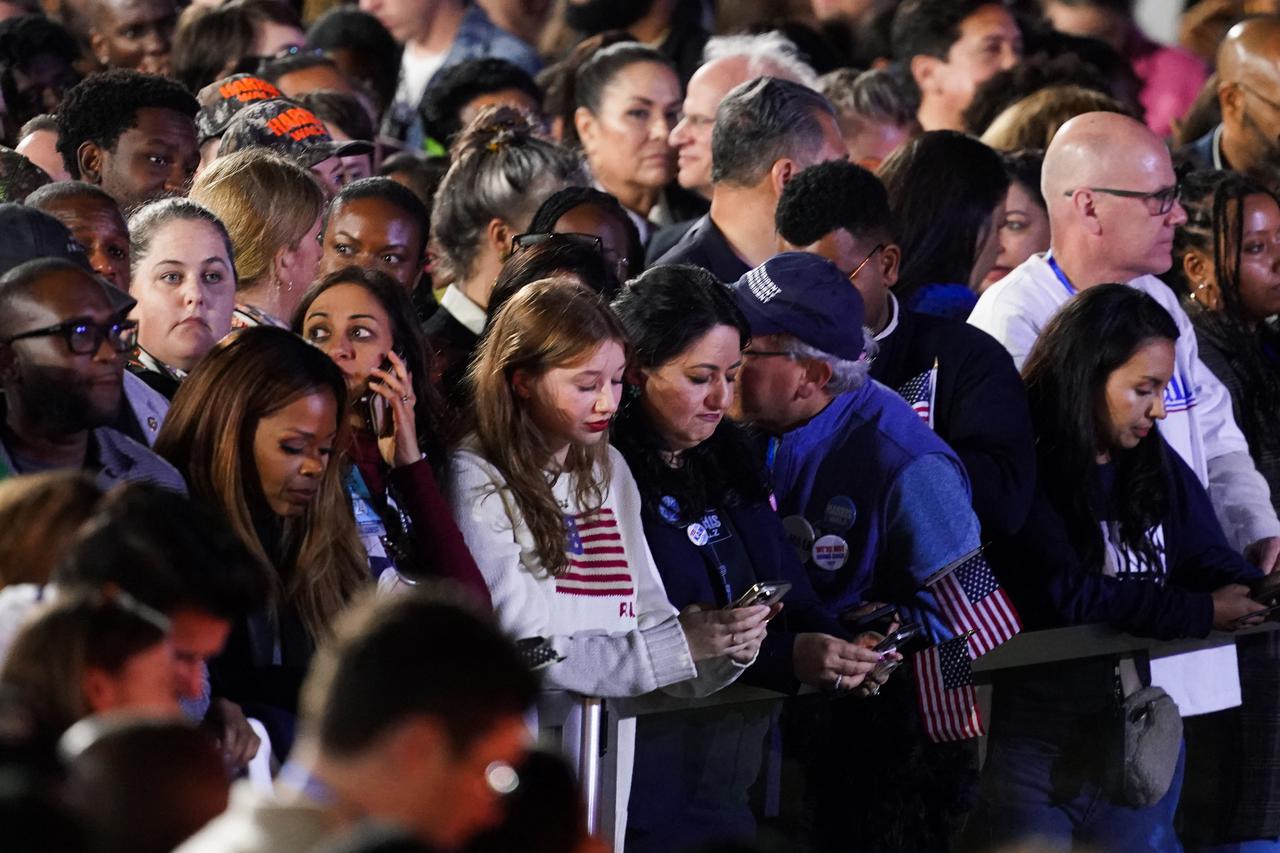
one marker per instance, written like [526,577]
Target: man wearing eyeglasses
[62,349]
[1113,208]
[1248,138]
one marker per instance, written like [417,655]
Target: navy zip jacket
[687,572]
[979,408]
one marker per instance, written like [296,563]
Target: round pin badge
[839,514]
[669,509]
[800,535]
[830,552]
[697,534]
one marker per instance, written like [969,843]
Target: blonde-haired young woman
[271,208]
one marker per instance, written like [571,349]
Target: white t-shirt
[416,70]
[1199,426]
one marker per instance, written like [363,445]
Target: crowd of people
[372,374]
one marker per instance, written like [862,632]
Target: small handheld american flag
[945,692]
[919,393]
[972,601]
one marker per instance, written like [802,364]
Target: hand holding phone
[765,592]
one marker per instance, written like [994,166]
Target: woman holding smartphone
[553,515]
[364,320]
[1120,532]
[714,536]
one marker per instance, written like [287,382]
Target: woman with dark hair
[713,534]
[947,192]
[1227,266]
[365,322]
[212,42]
[627,98]
[586,210]
[254,429]
[1120,532]
[540,255]
[1024,229]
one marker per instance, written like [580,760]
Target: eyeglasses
[1260,96]
[760,353]
[84,338]
[1158,203]
[590,241]
[865,261]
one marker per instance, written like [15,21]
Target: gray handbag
[1151,732]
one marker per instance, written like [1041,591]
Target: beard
[59,401]
[597,16]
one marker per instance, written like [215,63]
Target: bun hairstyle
[501,170]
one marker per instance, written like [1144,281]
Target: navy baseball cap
[805,296]
[30,234]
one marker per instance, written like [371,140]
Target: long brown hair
[550,323]
[208,436]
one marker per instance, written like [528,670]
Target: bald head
[1111,192]
[1250,52]
[1101,150]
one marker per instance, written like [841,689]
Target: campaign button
[839,514]
[669,509]
[830,552]
[697,534]
[800,535]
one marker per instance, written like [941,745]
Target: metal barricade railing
[594,721]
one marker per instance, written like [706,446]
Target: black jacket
[980,409]
[704,246]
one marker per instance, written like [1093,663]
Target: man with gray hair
[728,61]
[874,498]
[766,131]
[876,506]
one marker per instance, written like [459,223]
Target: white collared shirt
[463,309]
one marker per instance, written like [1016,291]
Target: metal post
[589,759]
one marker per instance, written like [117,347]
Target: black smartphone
[765,592]
[377,411]
[882,615]
[1236,623]
[898,638]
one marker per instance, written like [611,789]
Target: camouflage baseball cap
[288,129]
[222,99]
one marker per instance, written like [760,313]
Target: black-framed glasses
[1158,202]
[1260,96]
[526,241]
[865,261]
[84,338]
[620,263]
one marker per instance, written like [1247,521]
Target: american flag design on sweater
[597,560]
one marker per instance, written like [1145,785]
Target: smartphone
[537,653]
[881,615]
[900,637]
[1266,612]
[765,592]
[377,411]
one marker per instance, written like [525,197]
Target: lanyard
[1062,277]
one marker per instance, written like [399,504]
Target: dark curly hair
[664,312]
[455,86]
[1091,336]
[557,255]
[102,106]
[829,196]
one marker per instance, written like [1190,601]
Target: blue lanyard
[771,453]
[1062,277]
